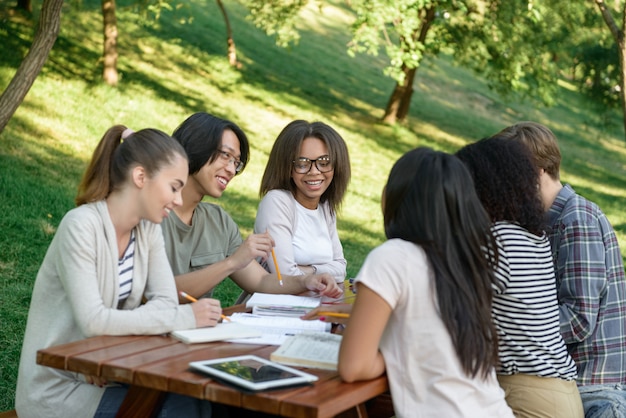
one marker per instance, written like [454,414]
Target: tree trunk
[25,5]
[109,55]
[47,32]
[395,100]
[618,36]
[622,80]
[400,101]
[230,42]
[405,100]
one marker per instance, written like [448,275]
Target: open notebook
[275,329]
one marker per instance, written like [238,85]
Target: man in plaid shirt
[590,279]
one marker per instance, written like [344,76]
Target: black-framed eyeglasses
[229,158]
[303,165]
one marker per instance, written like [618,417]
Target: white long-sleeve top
[278,213]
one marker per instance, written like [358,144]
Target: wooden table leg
[358,411]
[141,403]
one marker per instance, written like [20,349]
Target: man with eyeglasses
[203,243]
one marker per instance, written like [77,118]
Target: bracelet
[314,269]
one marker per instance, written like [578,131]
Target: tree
[45,37]
[618,34]
[109,52]
[230,41]
[518,45]
[403,28]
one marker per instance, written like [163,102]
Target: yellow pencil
[280,278]
[334,314]
[192,299]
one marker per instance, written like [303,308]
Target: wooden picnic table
[155,365]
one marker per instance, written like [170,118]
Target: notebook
[281,305]
[220,332]
[275,329]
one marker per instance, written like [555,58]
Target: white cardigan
[76,295]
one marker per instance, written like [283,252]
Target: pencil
[280,278]
[192,299]
[335,314]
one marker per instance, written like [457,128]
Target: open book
[281,305]
[276,329]
[319,350]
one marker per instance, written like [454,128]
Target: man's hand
[324,284]
[256,245]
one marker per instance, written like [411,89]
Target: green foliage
[277,17]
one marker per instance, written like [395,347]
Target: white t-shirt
[311,240]
[425,375]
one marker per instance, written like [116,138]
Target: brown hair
[541,142]
[279,166]
[114,158]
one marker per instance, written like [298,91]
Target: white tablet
[252,372]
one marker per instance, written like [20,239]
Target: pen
[192,299]
[335,314]
[280,278]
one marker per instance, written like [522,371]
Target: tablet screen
[252,372]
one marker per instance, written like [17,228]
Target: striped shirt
[525,308]
[592,288]
[125,269]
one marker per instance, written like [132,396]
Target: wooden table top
[160,363]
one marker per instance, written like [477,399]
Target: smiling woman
[304,183]
[106,257]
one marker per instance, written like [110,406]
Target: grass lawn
[174,67]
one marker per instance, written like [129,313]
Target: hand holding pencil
[207,311]
[336,313]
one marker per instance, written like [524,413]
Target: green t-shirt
[212,236]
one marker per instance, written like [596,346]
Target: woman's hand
[324,284]
[325,313]
[207,312]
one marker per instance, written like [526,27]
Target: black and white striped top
[525,307]
[125,269]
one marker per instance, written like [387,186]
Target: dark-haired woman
[302,188]
[535,369]
[422,311]
[106,256]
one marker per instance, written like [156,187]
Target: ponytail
[119,150]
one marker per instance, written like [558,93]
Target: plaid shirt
[591,288]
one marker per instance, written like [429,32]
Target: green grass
[170,70]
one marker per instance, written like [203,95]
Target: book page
[276,329]
[309,350]
[294,301]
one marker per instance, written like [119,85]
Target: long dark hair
[430,200]
[116,156]
[201,136]
[507,181]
